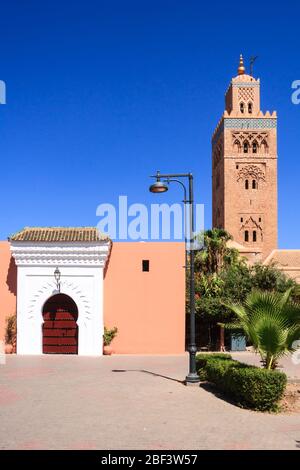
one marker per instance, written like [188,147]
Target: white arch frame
[35,311]
[81,269]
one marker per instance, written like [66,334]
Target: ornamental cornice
[29,254]
[250,123]
[241,123]
[246,84]
[252,171]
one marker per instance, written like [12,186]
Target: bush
[109,335]
[11,329]
[249,386]
[203,358]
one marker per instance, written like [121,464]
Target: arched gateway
[60,315]
[60,330]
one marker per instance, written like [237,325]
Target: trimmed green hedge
[249,386]
[203,358]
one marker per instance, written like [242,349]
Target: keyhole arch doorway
[60,328]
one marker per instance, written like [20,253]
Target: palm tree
[215,241]
[271,322]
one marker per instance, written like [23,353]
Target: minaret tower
[244,169]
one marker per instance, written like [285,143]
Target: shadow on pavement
[217,393]
[150,373]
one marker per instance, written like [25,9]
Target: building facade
[244,169]
[66,284]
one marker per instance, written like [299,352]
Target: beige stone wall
[293,273]
[251,209]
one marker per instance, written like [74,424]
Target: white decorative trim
[68,288]
[37,254]
[81,266]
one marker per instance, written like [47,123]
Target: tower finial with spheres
[241,69]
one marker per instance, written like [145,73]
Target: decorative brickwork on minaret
[244,168]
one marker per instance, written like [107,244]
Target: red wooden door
[60,330]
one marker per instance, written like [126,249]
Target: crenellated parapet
[265,120]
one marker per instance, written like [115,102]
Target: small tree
[271,322]
[212,260]
[223,277]
[270,278]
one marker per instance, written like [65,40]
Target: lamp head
[159,187]
[57,274]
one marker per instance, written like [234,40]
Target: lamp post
[185,201]
[57,278]
[161,186]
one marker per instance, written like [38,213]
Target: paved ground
[125,402]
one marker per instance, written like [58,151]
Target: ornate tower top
[242,97]
[244,167]
[241,68]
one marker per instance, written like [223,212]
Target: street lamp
[161,187]
[57,278]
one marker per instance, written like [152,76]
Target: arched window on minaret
[242,107]
[254,184]
[246,236]
[237,146]
[246,147]
[254,236]
[264,147]
[246,184]
[254,147]
[250,107]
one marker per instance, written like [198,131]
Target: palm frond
[270,321]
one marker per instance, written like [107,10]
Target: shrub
[249,386]
[203,358]
[109,335]
[11,329]
[271,322]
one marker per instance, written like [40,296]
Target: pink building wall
[8,285]
[148,308]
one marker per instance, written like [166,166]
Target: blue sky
[100,94]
